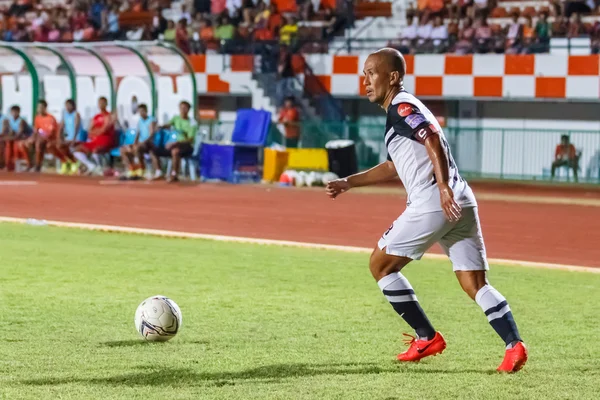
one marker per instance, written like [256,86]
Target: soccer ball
[158,319]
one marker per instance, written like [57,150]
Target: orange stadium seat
[365,9]
[529,12]
[498,12]
[131,19]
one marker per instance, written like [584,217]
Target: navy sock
[401,296]
[498,313]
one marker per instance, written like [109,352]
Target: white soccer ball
[158,319]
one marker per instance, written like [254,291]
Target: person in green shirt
[169,34]
[225,30]
[181,145]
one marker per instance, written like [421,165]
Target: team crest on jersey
[415,120]
[405,109]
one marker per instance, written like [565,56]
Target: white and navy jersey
[409,123]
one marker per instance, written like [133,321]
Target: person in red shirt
[290,118]
[565,155]
[101,139]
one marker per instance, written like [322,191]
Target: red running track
[552,233]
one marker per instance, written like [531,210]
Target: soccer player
[182,147]
[68,138]
[440,208]
[102,139]
[13,136]
[45,134]
[144,142]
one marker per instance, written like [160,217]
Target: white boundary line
[237,239]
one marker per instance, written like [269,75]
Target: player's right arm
[378,174]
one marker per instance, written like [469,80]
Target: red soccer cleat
[422,348]
[514,359]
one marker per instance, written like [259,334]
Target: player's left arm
[408,118]
[441,167]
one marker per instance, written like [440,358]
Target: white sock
[84,160]
[499,315]
[96,158]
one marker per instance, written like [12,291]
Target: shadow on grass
[126,343]
[265,374]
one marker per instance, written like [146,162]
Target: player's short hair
[15,108]
[564,137]
[71,102]
[43,102]
[290,99]
[144,106]
[103,98]
[186,103]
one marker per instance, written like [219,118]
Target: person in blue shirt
[70,134]
[142,145]
[14,132]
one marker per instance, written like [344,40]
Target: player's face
[143,112]
[69,107]
[184,110]
[15,113]
[376,81]
[102,104]
[41,109]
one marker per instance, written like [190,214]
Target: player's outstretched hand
[451,209]
[337,187]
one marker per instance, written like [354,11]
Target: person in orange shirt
[565,155]
[45,134]
[290,118]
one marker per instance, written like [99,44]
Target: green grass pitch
[262,322]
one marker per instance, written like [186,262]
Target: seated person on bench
[143,144]
[14,133]
[565,155]
[182,147]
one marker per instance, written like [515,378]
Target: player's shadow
[126,343]
[264,374]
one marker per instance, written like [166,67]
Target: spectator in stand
[261,19]
[197,23]
[286,75]
[159,24]
[576,27]
[435,7]
[289,31]
[466,37]
[217,7]
[207,36]
[423,34]
[565,155]
[39,20]
[595,34]
[543,30]
[95,13]
[185,14]
[182,39]
[112,31]
[514,33]
[483,36]
[275,19]
[225,30]
[439,35]
[79,19]
[480,8]
[560,28]
[408,35]
[54,33]
[290,118]
[528,37]
[332,24]
[578,7]
[170,32]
